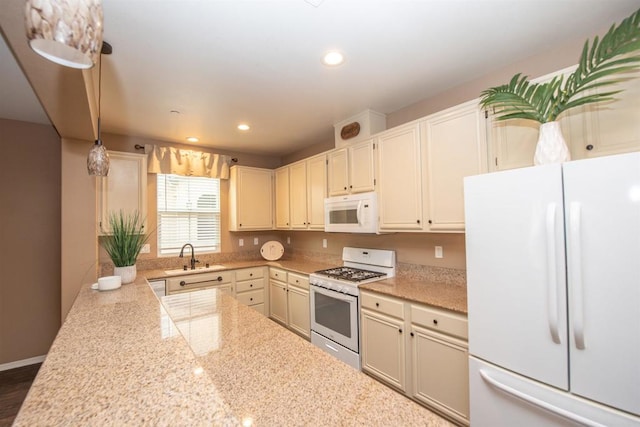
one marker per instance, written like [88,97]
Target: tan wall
[30,239]
[78,225]
[412,248]
[229,239]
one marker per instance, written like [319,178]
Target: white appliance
[353,213]
[553,282]
[334,300]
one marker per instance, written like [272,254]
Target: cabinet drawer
[298,280]
[389,306]
[249,273]
[251,297]
[197,281]
[442,321]
[249,285]
[277,274]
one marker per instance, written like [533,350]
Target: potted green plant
[616,53]
[124,243]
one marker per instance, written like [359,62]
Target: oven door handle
[333,293]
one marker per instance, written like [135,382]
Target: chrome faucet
[193,258]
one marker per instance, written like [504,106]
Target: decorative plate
[272,250]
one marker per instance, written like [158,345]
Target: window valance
[177,161]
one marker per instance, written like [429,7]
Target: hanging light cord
[99,141]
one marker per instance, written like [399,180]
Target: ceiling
[223,62]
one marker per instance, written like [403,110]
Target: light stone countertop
[120,359]
[443,295]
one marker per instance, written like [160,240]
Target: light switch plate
[438,251]
[240,242]
[324,243]
[288,240]
[255,241]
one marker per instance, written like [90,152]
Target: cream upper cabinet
[298,195]
[455,141]
[592,130]
[282,197]
[316,191]
[611,127]
[351,169]
[125,188]
[400,179]
[250,199]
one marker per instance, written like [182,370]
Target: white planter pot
[551,147]
[128,274]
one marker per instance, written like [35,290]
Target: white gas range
[334,299]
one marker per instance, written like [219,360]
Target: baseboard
[21,363]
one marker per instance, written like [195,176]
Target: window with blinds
[188,212]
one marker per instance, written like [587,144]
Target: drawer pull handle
[435,321]
[250,299]
[377,304]
[219,279]
[183,283]
[251,285]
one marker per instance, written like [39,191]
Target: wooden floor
[14,385]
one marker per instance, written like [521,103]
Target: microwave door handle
[359,212]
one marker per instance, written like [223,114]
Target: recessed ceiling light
[333,58]
[244,127]
[192,139]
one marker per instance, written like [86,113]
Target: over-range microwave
[353,213]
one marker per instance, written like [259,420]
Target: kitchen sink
[202,269]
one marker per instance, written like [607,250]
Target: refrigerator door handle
[537,402]
[552,274]
[575,257]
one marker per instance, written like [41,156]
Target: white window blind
[188,212]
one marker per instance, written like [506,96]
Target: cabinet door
[282,197]
[125,188]
[361,167]
[338,174]
[440,372]
[251,199]
[298,304]
[383,348]
[456,147]
[400,179]
[278,301]
[298,195]
[608,127]
[316,191]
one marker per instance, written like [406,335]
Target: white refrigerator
[553,286]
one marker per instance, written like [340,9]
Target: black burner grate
[350,274]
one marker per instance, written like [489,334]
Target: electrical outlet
[145,249]
[439,253]
[255,241]
[324,243]
[288,240]
[240,242]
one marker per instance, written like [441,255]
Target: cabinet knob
[418,221]
[240,225]
[412,334]
[250,274]
[351,186]
[400,330]
[219,279]
[377,304]
[183,283]
[250,299]
[251,285]
[345,188]
[589,147]
[435,321]
[430,222]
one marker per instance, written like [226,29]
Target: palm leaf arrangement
[616,53]
[126,239]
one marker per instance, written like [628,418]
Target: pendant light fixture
[98,159]
[66,32]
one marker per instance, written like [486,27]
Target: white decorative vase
[551,147]
[128,274]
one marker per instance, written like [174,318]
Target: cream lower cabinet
[419,350]
[250,287]
[383,342]
[289,300]
[250,199]
[222,280]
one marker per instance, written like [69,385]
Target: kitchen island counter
[123,358]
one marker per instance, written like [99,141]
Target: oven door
[334,315]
